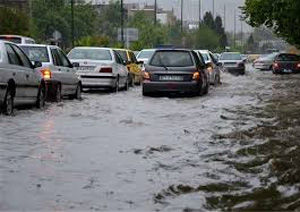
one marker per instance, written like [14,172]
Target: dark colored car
[286,63]
[175,71]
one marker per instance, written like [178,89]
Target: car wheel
[126,85]
[78,92]
[117,85]
[58,94]
[8,106]
[40,101]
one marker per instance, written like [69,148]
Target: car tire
[40,101]
[58,93]
[126,84]
[145,93]
[77,94]
[8,104]
[117,85]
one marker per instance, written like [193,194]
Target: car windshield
[11,39]
[231,56]
[90,54]
[146,54]
[270,57]
[123,55]
[39,54]
[288,57]
[172,59]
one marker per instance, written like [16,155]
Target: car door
[71,80]
[121,68]
[31,77]
[17,74]
[58,70]
[200,66]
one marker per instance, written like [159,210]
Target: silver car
[233,63]
[213,68]
[61,80]
[100,68]
[265,62]
[20,82]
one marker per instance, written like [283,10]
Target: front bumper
[170,87]
[235,70]
[262,66]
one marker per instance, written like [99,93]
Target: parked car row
[278,63]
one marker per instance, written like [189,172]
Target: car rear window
[205,56]
[39,54]
[288,57]
[11,39]
[89,54]
[231,56]
[145,54]
[172,59]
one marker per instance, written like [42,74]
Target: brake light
[106,70]
[146,76]
[46,73]
[196,76]
[275,65]
[298,65]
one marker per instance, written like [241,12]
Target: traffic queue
[33,73]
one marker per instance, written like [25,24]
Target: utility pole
[234,31]
[200,13]
[122,23]
[72,22]
[155,11]
[224,17]
[214,8]
[181,17]
[242,36]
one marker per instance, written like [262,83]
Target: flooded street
[235,148]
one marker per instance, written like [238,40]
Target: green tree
[221,32]
[209,21]
[282,16]
[13,21]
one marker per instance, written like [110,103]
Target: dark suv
[286,63]
[175,71]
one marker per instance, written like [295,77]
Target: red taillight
[275,65]
[106,70]
[46,73]
[298,65]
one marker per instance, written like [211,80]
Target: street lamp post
[155,11]
[181,16]
[72,22]
[122,22]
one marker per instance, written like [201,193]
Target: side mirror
[75,65]
[37,64]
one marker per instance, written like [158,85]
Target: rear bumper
[169,87]
[282,71]
[98,82]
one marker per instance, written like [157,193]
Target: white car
[213,67]
[233,63]
[18,39]
[20,82]
[100,68]
[62,79]
[145,55]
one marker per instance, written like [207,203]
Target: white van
[17,39]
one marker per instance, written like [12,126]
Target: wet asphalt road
[236,148]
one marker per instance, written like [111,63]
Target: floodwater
[236,148]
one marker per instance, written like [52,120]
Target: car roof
[38,45]
[173,49]
[231,53]
[202,51]
[91,47]
[148,50]
[17,36]
[118,49]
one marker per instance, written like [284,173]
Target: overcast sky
[191,10]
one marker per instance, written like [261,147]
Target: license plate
[85,68]
[287,71]
[171,78]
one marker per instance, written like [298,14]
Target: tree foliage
[13,22]
[282,16]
